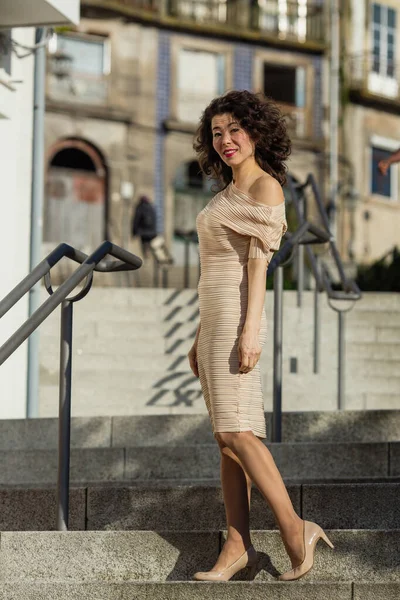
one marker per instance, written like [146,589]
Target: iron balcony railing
[294,20]
[373,75]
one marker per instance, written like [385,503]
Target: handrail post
[300,258]
[155,272]
[317,322]
[64,437]
[186,274]
[276,433]
[341,359]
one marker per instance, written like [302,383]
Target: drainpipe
[334,112]
[32,406]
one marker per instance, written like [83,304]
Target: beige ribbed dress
[232,228]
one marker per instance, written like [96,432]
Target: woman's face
[230,140]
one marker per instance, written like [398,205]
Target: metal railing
[88,264]
[291,20]
[305,236]
[367,72]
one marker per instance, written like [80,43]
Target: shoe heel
[251,572]
[326,539]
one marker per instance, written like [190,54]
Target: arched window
[75,204]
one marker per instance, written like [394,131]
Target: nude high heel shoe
[312,533]
[247,560]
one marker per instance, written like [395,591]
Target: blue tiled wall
[318,108]
[243,67]
[162,113]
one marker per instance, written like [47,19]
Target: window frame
[89,38]
[289,59]
[390,145]
[381,83]
[184,43]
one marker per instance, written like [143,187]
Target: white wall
[15,202]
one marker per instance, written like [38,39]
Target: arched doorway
[76,195]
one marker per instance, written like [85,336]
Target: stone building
[371,126]
[126,89]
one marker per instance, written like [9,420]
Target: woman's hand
[192,356]
[383,166]
[249,351]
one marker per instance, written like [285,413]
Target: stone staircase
[146,509]
[130,348]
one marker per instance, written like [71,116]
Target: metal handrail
[307,233]
[350,290]
[88,264]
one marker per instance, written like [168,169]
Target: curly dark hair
[261,118]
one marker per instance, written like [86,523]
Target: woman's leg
[236,488]
[261,468]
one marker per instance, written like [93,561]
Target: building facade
[17,40]
[371,126]
[125,92]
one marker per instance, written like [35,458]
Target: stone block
[295,461]
[35,509]
[179,508]
[395,459]
[105,556]
[341,426]
[353,506]
[376,591]
[42,434]
[173,462]
[172,590]
[325,461]
[161,430]
[40,466]
[371,556]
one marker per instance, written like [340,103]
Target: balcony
[292,23]
[373,80]
[26,13]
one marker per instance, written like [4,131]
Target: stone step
[191,590]
[297,461]
[374,318]
[123,324]
[163,430]
[123,556]
[372,351]
[141,297]
[93,401]
[160,364]
[196,506]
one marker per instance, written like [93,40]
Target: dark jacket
[144,220]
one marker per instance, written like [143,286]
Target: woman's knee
[232,439]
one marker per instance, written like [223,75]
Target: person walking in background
[384,165]
[243,143]
[144,223]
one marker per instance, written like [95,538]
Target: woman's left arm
[249,347]
[269,192]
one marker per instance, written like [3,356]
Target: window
[285,84]
[79,65]
[88,57]
[382,185]
[201,77]
[286,17]
[384,40]
[204,12]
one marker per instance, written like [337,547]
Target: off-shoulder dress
[232,228]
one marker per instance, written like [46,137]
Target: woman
[242,141]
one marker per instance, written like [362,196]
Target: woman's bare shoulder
[267,190]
